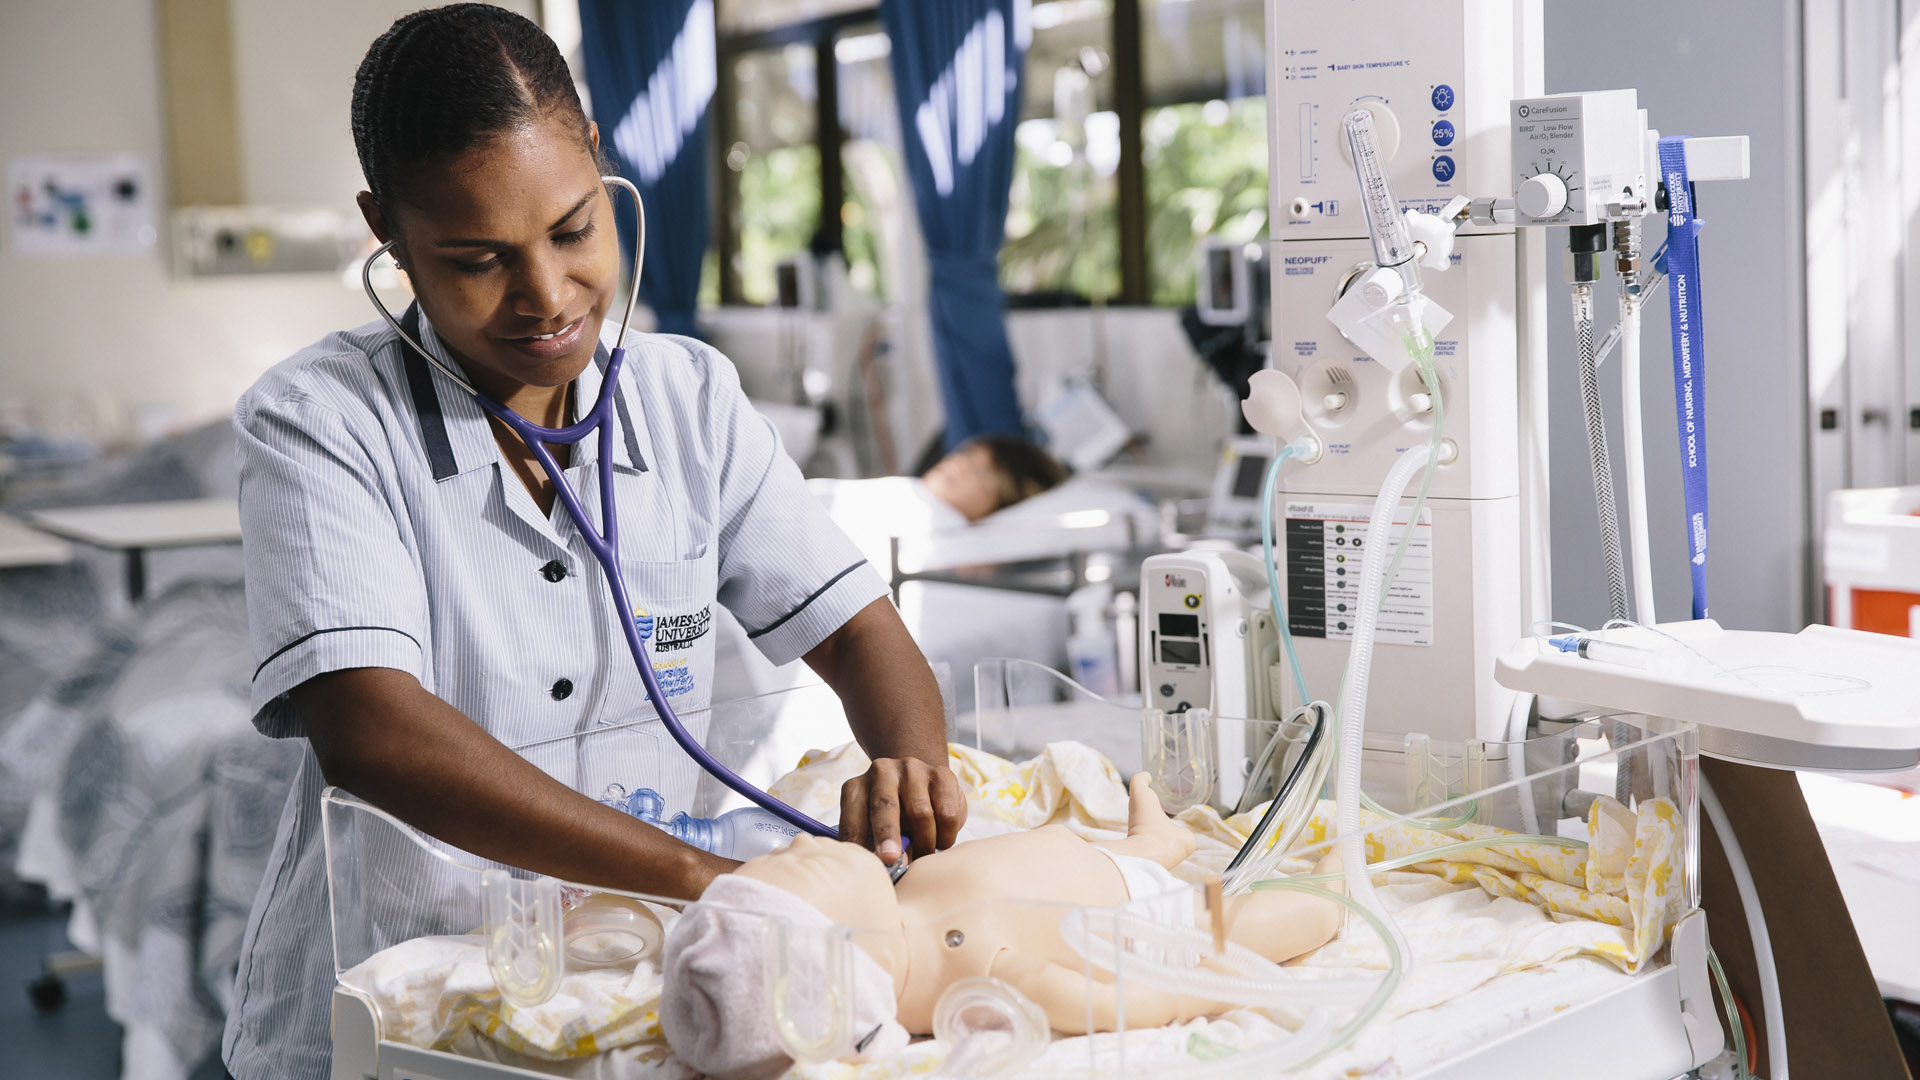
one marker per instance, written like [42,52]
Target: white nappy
[1157,896]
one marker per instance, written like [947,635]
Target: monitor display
[1220,270]
[1248,476]
[1176,625]
[786,277]
[1179,652]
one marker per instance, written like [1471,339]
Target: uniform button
[554,571]
[562,689]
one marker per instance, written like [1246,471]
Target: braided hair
[444,80]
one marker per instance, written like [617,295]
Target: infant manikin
[989,907]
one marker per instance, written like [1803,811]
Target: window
[1196,50]
[870,216]
[805,135]
[776,161]
[1063,226]
[1206,176]
[1204,133]
[1142,132]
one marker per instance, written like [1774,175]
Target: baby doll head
[720,1002]
[844,881]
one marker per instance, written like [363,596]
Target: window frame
[1131,104]
[829,137]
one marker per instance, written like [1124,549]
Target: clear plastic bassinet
[390,885]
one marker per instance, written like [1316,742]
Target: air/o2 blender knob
[1541,195]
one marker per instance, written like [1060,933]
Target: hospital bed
[1041,545]
[131,781]
[151,808]
[1503,987]
[997,587]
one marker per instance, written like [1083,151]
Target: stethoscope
[604,545]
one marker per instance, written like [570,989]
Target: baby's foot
[1147,822]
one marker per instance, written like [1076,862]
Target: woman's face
[512,252]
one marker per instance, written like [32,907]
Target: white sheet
[1084,514]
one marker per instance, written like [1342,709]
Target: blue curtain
[651,73]
[956,73]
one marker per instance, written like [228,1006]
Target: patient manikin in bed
[988,473]
[956,914]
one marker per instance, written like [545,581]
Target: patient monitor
[1207,640]
[1234,508]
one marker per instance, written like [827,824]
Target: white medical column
[1437,76]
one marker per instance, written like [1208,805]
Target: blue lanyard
[1689,354]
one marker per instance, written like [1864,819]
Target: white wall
[93,337]
[1147,372]
[1711,67]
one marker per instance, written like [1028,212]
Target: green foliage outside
[1206,172]
[1063,230]
[1204,178]
[859,235]
[779,211]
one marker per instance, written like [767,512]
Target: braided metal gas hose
[1591,405]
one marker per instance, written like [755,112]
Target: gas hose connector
[1626,254]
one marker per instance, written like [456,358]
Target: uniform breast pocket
[679,595]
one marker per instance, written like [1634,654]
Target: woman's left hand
[897,796]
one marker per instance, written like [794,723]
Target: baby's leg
[1281,924]
[1151,834]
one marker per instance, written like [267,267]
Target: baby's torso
[976,903]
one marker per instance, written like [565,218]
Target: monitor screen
[1220,278]
[1248,476]
[1179,652]
[786,277]
[1176,625]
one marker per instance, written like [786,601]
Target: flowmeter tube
[1392,246]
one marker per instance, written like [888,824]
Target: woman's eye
[574,237]
[480,267]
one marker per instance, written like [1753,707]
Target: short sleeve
[789,574]
[330,583]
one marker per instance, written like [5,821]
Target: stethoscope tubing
[605,546]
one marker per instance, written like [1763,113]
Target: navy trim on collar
[433,422]
[634,457]
[426,400]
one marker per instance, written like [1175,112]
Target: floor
[76,1041]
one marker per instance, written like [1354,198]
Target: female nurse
[418,604]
